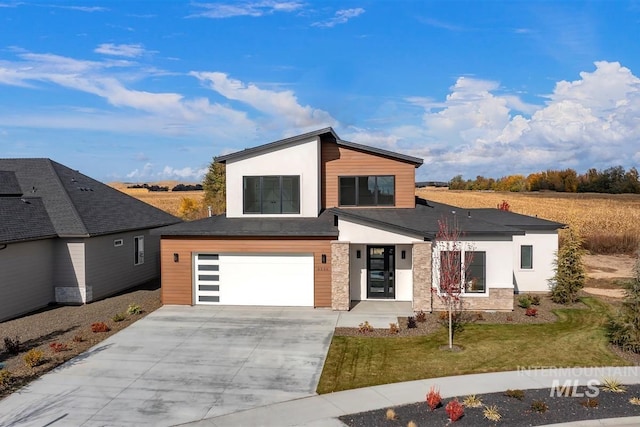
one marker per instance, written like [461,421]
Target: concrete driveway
[182,364]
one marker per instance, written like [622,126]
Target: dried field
[609,223]
[168,201]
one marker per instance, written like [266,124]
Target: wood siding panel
[342,161]
[177,277]
[110,269]
[26,270]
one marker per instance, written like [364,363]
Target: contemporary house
[316,221]
[67,238]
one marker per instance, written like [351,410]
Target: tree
[189,209]
[624,329]
[569,275]
[452,271]
[214,185]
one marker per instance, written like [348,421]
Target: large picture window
[367,190]
[271,194]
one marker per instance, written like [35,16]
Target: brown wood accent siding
[177,277]
[341,161]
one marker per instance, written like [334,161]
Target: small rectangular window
[526,257]
[138,245]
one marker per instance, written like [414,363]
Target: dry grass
[168,201]
[609,223]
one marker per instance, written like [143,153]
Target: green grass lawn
[577,338]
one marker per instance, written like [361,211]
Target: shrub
[393,328]
[5,378]
[531,312]
[78,338]
[590,402]
[12,346]
[134,309]
[479,316]
[612,385]
[33,358]
[454,410]
[535,299]
[524,301]
[516,394]
[119,317]
[421,316]
[569,274]
[57,347]
[411,322]
[434,399]
[365,327]
[623,330]
[99,327]
[491,413]
[391,414]
[509,318]
[412,424]
[634,400]
[539,406]
[472,401]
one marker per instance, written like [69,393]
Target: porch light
[403,254]
[176,257]
[358,254]
[324,258]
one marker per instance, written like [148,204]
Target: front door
[381,272]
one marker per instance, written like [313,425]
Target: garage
[254,279]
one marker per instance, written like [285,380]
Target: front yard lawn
[577,338]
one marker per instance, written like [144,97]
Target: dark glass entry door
[381,272]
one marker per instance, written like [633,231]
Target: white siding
[25,277]
[69,267]
[499,264]
[358,233]
[545,247]
[301,158]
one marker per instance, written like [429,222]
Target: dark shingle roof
[24,218]
[327,134]
[220,225]
[9,184]
[423,220]
[81,206]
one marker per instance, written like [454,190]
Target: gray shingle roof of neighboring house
[79,206]
[422,221]
[24,218]
[328,133]
[220,225]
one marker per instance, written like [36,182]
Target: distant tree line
[179,187]
[614,180]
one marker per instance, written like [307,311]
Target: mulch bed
[514,412]
[71,327]
[433,320]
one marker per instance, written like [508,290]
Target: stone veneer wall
[421,255]
[340,299]
[500,299]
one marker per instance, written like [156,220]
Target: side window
[138,245]
[477,273]
[526,257]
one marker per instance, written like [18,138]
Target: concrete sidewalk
[323,410]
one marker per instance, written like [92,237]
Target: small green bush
[365,327]
[134,309]
[516,394]
[524,301]
[539,406]
[119,317]
[535,299]
[5,378]
[33,358]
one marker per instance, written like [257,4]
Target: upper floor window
[271,194]
[367,190]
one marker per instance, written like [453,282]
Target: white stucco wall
[300,158]
[545,247]
[358,233]
[499,262]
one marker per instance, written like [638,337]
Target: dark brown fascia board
[275,144]
[417,162]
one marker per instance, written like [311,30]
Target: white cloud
[589,122]
[126,50]
[254,9]
[149,173]
[279,105]
[88,9]
[341,17]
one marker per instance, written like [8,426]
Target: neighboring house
[316,221]
[67,238]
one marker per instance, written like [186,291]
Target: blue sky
[149,90]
